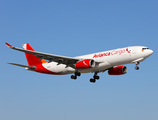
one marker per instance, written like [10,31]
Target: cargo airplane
[111,61]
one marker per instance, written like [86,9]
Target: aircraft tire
[136,67]
[73,77]
[96,77]
[78,74]
[92,80]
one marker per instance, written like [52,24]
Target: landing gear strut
[93,80]
[136,67]
[75,76]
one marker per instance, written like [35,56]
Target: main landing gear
[93,80]
[75,76]
[136,67]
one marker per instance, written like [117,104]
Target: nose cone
[149,52]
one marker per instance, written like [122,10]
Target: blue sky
[73,28]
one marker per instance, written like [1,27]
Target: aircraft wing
[68,61]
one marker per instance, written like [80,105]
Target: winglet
[8,45]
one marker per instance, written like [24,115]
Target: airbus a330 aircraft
[95,63]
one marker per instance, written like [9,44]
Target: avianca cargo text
[114,52]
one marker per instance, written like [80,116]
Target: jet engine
[118,70]
[88,63]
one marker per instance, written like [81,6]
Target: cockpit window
[145,48]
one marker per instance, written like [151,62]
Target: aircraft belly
[61,68]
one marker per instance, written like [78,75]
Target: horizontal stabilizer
[25,66]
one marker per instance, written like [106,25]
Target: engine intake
[118,70]
[88,63]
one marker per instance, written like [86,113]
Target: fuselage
[104,60]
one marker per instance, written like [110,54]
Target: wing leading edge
[68,61]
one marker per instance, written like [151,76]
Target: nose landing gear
[136,67]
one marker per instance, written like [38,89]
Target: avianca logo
[84,63]
[114,52]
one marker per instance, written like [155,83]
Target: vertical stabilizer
[32,59]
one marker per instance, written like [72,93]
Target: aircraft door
[133,53]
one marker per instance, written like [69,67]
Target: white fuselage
[105,60]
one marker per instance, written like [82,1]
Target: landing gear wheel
[78,74]
[136,67]
[73,77]
[92,80]
[96,77]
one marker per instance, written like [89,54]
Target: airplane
[111,61]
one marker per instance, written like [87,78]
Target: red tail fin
[32,59]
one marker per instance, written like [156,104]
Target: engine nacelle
[88,63]
[118,70]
